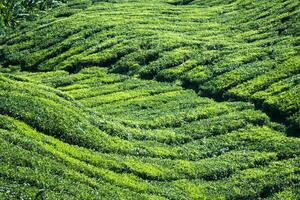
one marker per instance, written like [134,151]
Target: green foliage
[77,120]
[121,137]
[222,50]
[12,11]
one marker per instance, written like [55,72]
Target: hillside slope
[160,99]
[119,137]
[240,50]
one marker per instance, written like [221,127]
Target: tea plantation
[156,99]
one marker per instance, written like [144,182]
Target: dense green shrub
[78,131]
[12,11]
[122,137]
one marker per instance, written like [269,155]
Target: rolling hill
[160,99]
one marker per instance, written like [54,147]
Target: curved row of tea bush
[77,120]
[225,49]
[165,143]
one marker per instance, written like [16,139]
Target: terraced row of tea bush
[160,99]
[93,135]
[241,50]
